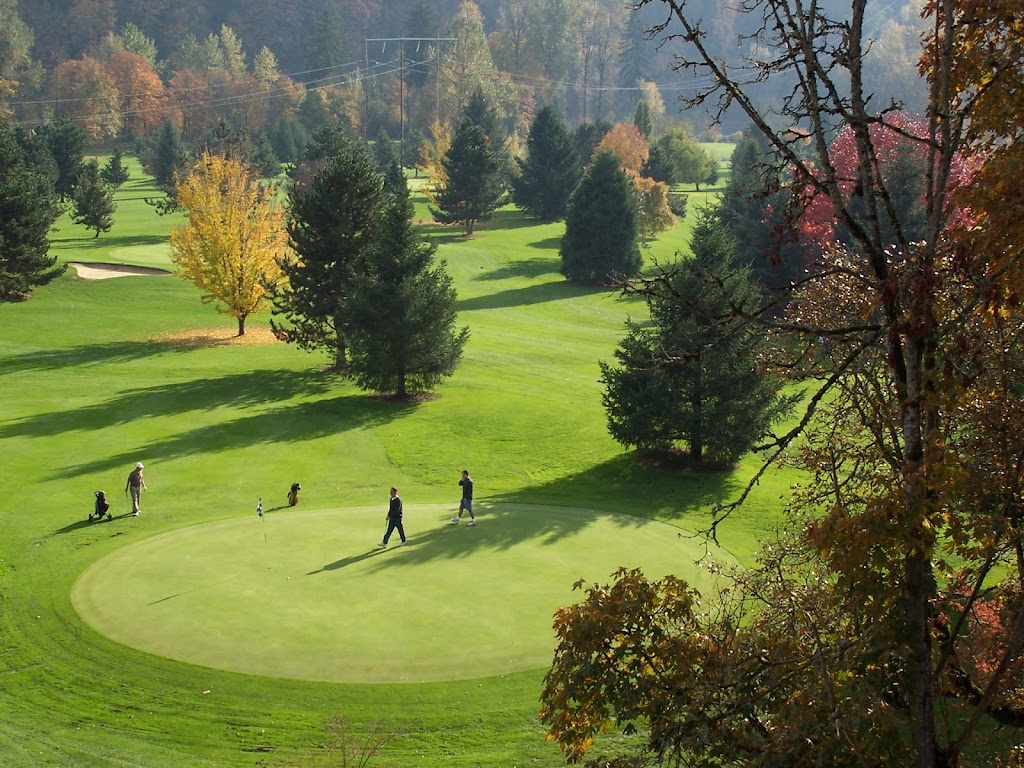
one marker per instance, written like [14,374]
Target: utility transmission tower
[401,41]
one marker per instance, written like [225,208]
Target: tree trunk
[241,325]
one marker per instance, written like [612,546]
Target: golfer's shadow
[88,524]
[420,540]
[345,561]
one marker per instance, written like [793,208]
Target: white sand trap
[98,271]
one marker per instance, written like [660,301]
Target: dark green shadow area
[280,424]
[534,294]
[246,390]
[105,353]
[528,268]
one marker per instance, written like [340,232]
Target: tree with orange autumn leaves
[628,144]
[885,626]
[233,239]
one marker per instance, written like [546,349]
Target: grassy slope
[89,388]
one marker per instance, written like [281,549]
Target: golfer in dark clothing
[394,519]
[466,505]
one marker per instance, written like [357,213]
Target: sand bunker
[107,271]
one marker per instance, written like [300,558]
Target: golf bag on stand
[101,507]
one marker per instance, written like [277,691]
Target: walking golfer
[394,519]
[135,485]
[466,505]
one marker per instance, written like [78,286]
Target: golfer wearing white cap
[135,486]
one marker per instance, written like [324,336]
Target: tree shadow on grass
[547,244]
[252,388]
[105,353]
[534,294]
[109,241]
[635,487]
[633,496]
[530,268]
[283,424]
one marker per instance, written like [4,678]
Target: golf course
[200,633]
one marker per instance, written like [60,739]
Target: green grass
[91,384]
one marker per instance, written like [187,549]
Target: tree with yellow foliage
[233,236]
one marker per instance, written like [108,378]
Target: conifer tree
[384,151]
[474,179]
[551,170]
[330,227]
[28,208]
[65,139]
[402,314]
[600,242]
[688,379]
[93,205]
[114,171]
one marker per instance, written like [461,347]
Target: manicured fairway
[317,600]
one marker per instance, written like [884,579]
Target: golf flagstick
[259,511]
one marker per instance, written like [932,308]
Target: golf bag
[293,494]
[101,507]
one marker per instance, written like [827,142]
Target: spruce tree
[114,172]
[65,139]
[600,242]
[167,156]
[28,208]
[402,314]
[551,170]
[384,151]
[474,185]
[93,203]
[331,226]
[690,379]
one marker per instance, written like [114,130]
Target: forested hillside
[245,60]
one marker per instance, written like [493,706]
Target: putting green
[317,600]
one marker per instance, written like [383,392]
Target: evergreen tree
[753,209]
[588,135]
[331,226]
[384,151]
[28,208]
[642,118]
[325,43]
[165,157]
[474,184]
[114,172]
[401,319]
[480,111]
[65,139]
[421,22]
[93,203]
[690,379]
[600,242]
[288,138]
[551,170]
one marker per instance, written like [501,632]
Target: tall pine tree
[331,225]
[600,242]
[93,205]
[551,170]
[401,318]
[28,208]
[474,179]
[689,379]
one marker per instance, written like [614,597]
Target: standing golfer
[394,519]
[466,505]
[135,486]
